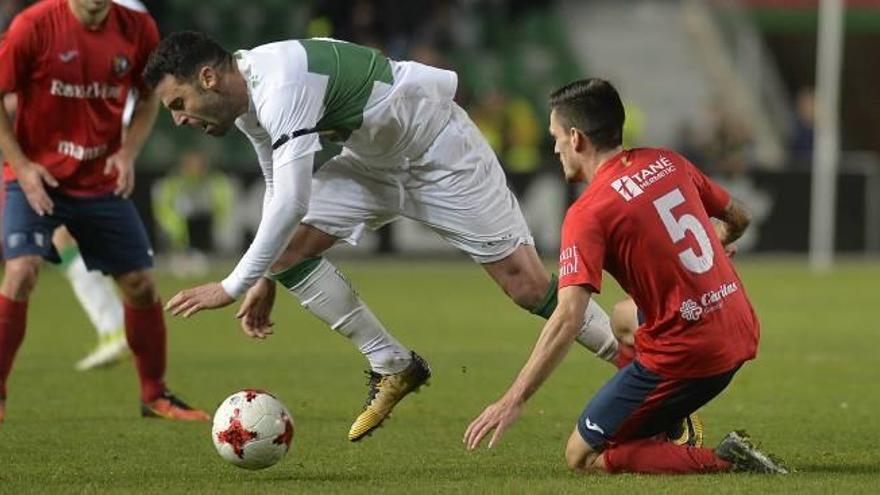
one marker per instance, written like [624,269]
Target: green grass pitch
[811,397]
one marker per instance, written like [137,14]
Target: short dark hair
[593,107]
[181,55]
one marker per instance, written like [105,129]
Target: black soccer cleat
[744,456]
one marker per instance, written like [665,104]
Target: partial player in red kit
[645,219]
[71,64]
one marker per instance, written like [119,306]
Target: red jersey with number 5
[72,83]
[645,219]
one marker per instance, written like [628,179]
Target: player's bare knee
[527,292]
[582,461]
[307,242]
[624,321]
[138,288]
[20,276]
[580,457]
[525,288]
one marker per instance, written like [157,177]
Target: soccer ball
[252,429]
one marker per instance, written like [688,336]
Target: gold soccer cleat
[385,392]
[689,432]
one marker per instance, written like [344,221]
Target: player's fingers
[108,166]
[47,177]
[129,185]
[470,428]
[478,433]
[175,300]
[247,330]
[180,303]
[39,199]
[245,308]
[473,427]
[37,205]
[126,185]
[193,308]
[496,437]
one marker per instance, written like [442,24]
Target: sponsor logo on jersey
[690,310]
[593,426]
[710,301]
[81,153]
[631,186]
[68,55]
[121,64]
[92,90]
[568,261]
[627,188]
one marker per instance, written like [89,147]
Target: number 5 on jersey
[677,229]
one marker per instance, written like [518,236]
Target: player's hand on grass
[499,416]
[256,309]
[124,166]
[190,301]
[34,178]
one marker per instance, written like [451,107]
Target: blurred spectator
[192,208]
[690,144]
[512,129]
[800,144]
[633,126]
[725,148]
[8,10]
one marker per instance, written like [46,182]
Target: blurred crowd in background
[509,56]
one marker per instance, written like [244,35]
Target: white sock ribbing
[325,293]
[596,334]
[97,295]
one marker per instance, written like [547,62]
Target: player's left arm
[133,139]
[732,222]
[280,109]
[731,218]
[143,118]
[553,344]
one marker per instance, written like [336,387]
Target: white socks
[325,293]
[98,297]
[596,334]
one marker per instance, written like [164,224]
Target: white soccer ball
[252,429]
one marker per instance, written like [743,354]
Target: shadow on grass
[334,477]
[854,468]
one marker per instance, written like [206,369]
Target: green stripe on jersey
[352,71]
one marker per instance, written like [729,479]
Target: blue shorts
[637,403]
[108,229]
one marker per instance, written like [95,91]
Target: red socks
[145,331]
[13,317]
[625,355]
[144,328]
[652,456]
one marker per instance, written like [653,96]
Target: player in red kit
[71,64]
[645,219]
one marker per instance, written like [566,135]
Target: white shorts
[457,188]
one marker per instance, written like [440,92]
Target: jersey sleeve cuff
[234,287]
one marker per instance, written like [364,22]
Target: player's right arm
[18,50]
[280,111]
[580,276]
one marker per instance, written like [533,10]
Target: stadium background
[727,83]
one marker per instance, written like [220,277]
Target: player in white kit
[408,151]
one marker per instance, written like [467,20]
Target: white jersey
[384,112]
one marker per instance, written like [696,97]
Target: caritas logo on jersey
[631,186]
